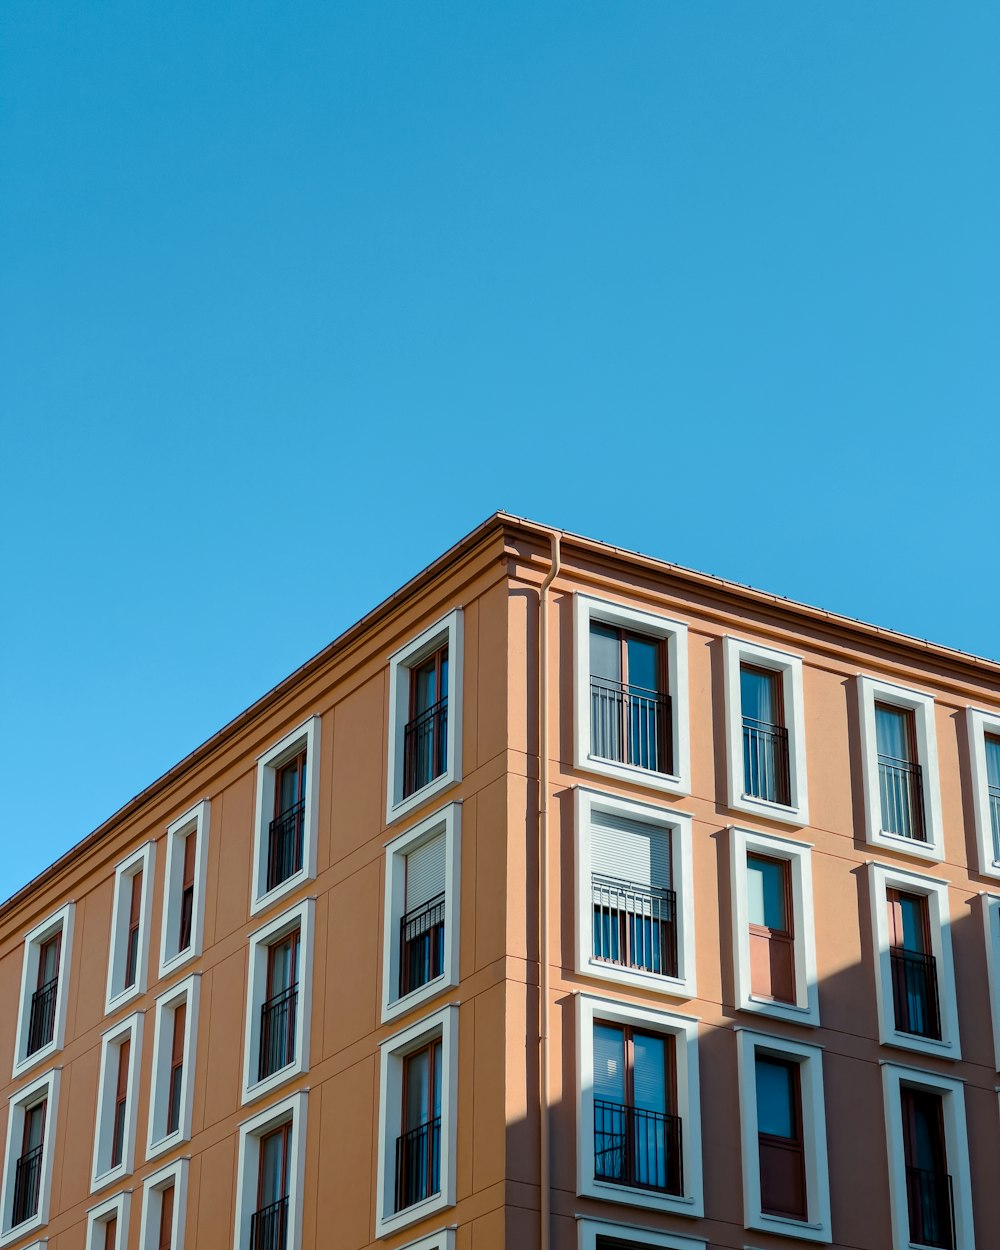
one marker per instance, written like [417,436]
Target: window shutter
[425,872]
[630,850]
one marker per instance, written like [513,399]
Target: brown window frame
[285,1133]
[176,1068]
[438,658]
[795,1146]
[121,1103]
[186,925]
[300,763]
[166,1230]
[775,938]
[132,935]
[111,1232]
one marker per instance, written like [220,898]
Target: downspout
[543,896]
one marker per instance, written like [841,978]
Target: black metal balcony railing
[630,724]
[931,1208]
[765,761]
[915,992]
[269,1227]
[27,1181]
[42,1022]
[277,1032]
[418,1164]
[641,1149]
[635,925]
[284,845]
[994,793]
[425,747]
[902,793]
[421,945]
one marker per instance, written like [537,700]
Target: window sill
[786,1226]
[169,966]
[412,1215]
[781,1011]
[670,783]
[672,987]
[270,1083]
[11,1235]
[36,1057]
[786,813]
[105,1179]
[416,998]
[906,846]
[922,1045]
[418,798]
[123,998]
[280,892]
[677,1204]
[157,1148]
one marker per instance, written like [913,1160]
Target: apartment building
[569,899]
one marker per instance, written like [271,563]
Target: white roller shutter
[630,850]
[425,872]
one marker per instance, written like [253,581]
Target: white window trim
[870,692]
[798,856]
[143,860]
[302,917]
[684,1031]
[684,985]
[442,1024]
[306,735]
[588,1232]
[978,725]
[443,1240]
[956,1145]
[188,993]
[62,920]
[447,630]
[152,1190]
[449,821]
[47,1087]
[674,635]
[129,1029]
[817,1227]
[882,877]
[292,1111]
[991,924]
[117,1208]
[735,653]
[196,822]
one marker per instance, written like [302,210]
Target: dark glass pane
[291,786]
[892,731]
[425,687]
[776,1099]
[911,911]
[766,893]
[993,761]
[49,962]
[643,663]
[649,1073]
[272,1168]
[609,1063]
[759,695]
[283,972]
[437,1082]
[923,1133]
[34,1127]
[605,652]
[417,1108]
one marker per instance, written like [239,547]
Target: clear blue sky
[295,294]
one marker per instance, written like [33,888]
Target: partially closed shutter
[425,872]
[630,850]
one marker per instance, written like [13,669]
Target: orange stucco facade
[852,1059]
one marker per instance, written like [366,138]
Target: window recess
[41,1017]
[182,929]
[286,814]
[129,940]
[983,730]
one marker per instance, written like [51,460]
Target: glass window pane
[993,761]
[766,893]
[912,914]
[609,1063]
[892,731]
[417,1090]
[644,663]
[605,652]
[776,1099]
[425,687]
[649,1073]
[759,695]
[272,1187]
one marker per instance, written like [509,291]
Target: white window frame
[882,877]
[956,1145]
[870,692]
[118,995]
[188,994]
[674,636]
[291,1110]
[306,735]
[449,629]
[59,921]
[302,917]
[449,822]
[152,1196]
[588,1232]
[978,725]
[102,1173]
[684,1031]
[789,667]
[817,1226]
[678,824]
[442,1024]
[443,1240]
[43,1087]
[991,925]
[798,856]
[117,1208]
[196,822]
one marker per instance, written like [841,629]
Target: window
[287,810]
[772,901]
[107,1223]
[41,1017]
[984,757]
[631,715]
[422,896]
[270,1172]
[182,930]
[27,1171]
[443,1240]
[899,766]
[419,1087]
[639,1126]
[929,1188]
[914,973]
[603,1235]
[425,716]
[129,951]
[991,921]
[783,1122]
[279,997]
[765,732]
[172,1083]
[634,894]
[164,1203]
[114,1136]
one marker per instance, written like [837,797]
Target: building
[700,946]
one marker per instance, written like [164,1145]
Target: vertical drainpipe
[543,895]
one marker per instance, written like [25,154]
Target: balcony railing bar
[42,1024]
[638,1148]
[915,992]
[635,926]
[27,1184]
[421,937]
[630,724]
[418,1164]
[269,1227]
[765,761]
[425,747]
[284,845]
[277,1032]
[931,1208]
[902,795]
